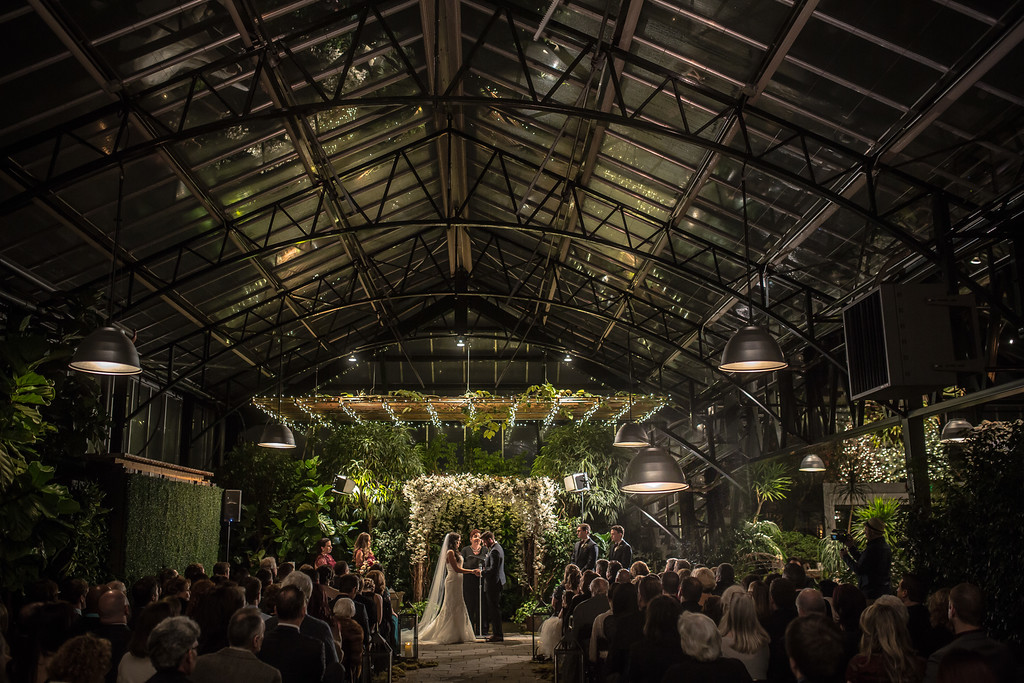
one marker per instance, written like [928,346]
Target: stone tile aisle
[508,662]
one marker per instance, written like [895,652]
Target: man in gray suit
[238,662]
[493,575]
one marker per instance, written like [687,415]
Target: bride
[445,620]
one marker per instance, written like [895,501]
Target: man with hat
[872,564]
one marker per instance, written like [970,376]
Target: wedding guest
[553,627]
[172,648]
[810,601]
[221,572]
[620,551]
[349,634]
[196,593]
[684,564]
[473,557]
[49,625]
[82,659]
[912,594]
[584,553]
[623,628]
[348,586]
[941,633]
[782,597]
[690,590]
[270,564]
[283,570]
[145,592]
[113,626]
[598,646]
[624,576]
[659,648]
[639,569]
[73,592]
[966,616]
[325,577]
[308,624]
[713,608]
[135,666]
[324,557]
[388,620]
[743,637]
[179,588]
[670,584]
[587,611]
[213,611]
[885,650]
[707,582]
[670,564]
[299,658]
[965,665]
[725,576]
[238,663]
[254,594]
[814,648]
[614,566]
[362,556]
[703,661]
[850,604]
[601,568]
[758,590]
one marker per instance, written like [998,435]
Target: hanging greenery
[521,507]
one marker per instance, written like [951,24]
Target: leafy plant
[91,538]
[799,545]
[302,520]
[759,538]
[526,610]
[583,446]
[771,482]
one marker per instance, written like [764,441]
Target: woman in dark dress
[473,557]
[650,657]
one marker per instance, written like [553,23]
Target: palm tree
[771,482]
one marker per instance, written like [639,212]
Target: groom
[493,575]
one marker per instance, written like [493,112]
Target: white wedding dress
[446,619]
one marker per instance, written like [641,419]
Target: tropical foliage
[583,446]
[977,510]
[771,482]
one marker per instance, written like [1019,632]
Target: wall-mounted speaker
[903,340]
[231,510]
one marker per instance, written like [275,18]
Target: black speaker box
[231,511]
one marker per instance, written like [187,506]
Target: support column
[918,485]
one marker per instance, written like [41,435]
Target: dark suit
[315,628]
[493,575]
[171,676]
[996,655]
[621,553]
[299,658]
[584,555]
[232,665]
[118,635]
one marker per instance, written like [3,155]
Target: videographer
[871,565]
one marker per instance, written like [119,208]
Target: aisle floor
[509,661]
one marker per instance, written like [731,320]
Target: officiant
[473,557]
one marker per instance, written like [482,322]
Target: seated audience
[582,619]
[810,601]
[623,627]
[670,584]
[713,608]
[941,632]
[213,611]
[238,663]
[912,594]
[814,647]
[639,569]
[725,576]
[172,646]
[113,626]
[850,604]
[965,665]
[612,573]
[707,582]
[886,655]
[758,590]
[702,654]
[308,625]
[690,591]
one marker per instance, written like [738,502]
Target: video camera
[839,535]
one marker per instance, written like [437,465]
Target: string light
[511,420]
[433,416]
[593,409]
[394,418]
[351,413]
[551,413]
[651,413]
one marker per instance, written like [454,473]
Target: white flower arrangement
[437,498]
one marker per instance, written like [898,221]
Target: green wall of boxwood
[169,524]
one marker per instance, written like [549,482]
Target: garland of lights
[651,413]
[511,424]
[433,416]
[593,409]
[351,413]
[550,418]
[391,412]
[315,418]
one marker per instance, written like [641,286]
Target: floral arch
[523,507]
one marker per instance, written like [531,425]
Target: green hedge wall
[169,524]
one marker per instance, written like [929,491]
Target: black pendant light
[955,431]
[751,348]
[107,351]
[812,463]
[630,434]
[653,470]
[278,435]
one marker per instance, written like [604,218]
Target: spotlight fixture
[653,470]
[460,342]
[751,348]
[812,463]
[955,431]
[577,483]
[107,351]
[343,486]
